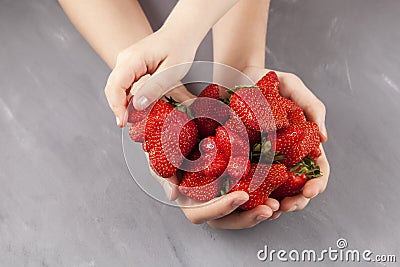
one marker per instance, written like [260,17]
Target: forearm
[192,19]
[239,38]
[108,26]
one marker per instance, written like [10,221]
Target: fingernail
[261,218]
[118,121]
[142,102]
[167,189]
[293,208]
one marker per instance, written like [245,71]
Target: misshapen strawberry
[270,177]
[296,144]
[298,175]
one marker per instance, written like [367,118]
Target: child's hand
[151,55]
[293,88]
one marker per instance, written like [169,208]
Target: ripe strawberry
[234,124]
[250,105]
[217,166]
[209,111]
[208,145]
[238,167]
[231,143]
[267,179]
[161,164]
[296,151]
[211,91]
[136,132]
[314,154]
[297,178]
[269,84]
[294,112]
[198,186]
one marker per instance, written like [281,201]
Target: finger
[243,219]
[318,185]
[215,208]
[164,79]
[119,81]
[293,88]
[294,203]
[169,185]
[272,203]
[275,215]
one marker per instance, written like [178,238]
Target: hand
[293,88]
[151,55]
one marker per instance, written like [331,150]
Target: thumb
[165,78]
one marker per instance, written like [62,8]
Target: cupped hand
[150,56]
[293,88]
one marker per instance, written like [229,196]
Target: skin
[135,53]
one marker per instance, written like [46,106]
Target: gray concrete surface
[67,198]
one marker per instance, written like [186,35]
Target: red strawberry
[295,152]
[316,153]
[161,164]
[208,145]
[155,122]
[198,186]
[231,143]
[218,164]
[136,132]
[298,176]
[295,113]
[209,111]
[169,136]
[250,105]
[268,178]
[234,124]
[211,91]
[269,84]
[238,167]
[206,126]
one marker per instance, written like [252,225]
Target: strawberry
[231,143]
[169,136]
[314,154]
[297,178]
[217,166]
[238,167]
[209,111]
[269,84]
[297,141]
[208,145]
[267,179]
[136,132]
[161,164]
[198,186]
[294,112]
[211,91]
[234,124]
[250,105]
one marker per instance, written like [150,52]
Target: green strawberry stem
[307,166]
[179,106]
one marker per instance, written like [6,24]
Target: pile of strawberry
[255,141]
